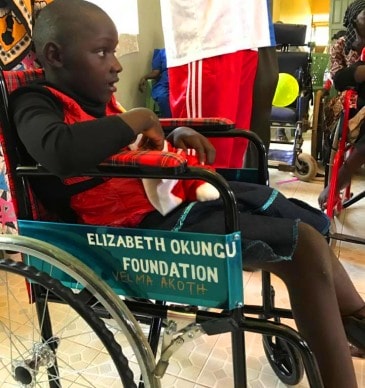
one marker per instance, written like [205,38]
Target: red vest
[116,202]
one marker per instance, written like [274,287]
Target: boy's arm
[154,74]
[67,149]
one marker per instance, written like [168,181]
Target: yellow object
[287,90]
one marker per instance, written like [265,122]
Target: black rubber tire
[305,167]
[53,287]
[284,359]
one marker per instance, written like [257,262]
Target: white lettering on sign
[175,246]
[174,270]
[135,242]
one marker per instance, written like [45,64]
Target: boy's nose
[117,67]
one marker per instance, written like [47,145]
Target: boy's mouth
[112,86]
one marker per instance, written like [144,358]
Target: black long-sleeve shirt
[65,149]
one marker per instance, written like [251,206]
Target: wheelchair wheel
[284,359]
[305,167]
[62,340]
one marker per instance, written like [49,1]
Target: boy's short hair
[59,22]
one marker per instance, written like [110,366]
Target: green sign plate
[189,268]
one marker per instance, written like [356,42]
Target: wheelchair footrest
[177,332]
[219,326]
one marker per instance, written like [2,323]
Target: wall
[298,11]
[289,11]
[137,64]
[303,12]
[320,6]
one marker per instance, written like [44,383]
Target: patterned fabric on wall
[7,213]
[16,20]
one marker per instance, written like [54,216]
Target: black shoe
[356,352]
[355,331]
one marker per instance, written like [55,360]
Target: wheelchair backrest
[290,39]
[290,35]
[13,152]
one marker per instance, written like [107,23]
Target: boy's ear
[53,54]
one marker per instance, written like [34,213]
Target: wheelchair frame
[183,322]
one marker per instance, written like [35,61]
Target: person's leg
[164,105]
[349,300]
[195,92]
[264,89]
[178,80]
[320,291]
[220,86]
[246,68]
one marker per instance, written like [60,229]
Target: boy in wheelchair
[69,124]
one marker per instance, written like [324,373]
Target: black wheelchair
[290,38]
[72,308]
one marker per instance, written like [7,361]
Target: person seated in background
[69,124]
[346,77]
[160,88]
[340,56]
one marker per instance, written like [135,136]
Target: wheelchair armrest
[199,124]
[126,163]
[148,161]
[222,127]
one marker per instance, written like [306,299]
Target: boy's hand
[185,137]
[142,85]
[144,121]
[152,139]
[322,198]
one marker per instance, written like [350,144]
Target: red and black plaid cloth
[202,123]
[15,79]
[147,158]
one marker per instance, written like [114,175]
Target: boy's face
[90,68]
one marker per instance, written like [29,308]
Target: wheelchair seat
[283,115]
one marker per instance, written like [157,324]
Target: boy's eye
[101,53]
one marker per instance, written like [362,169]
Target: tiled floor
[206,361]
